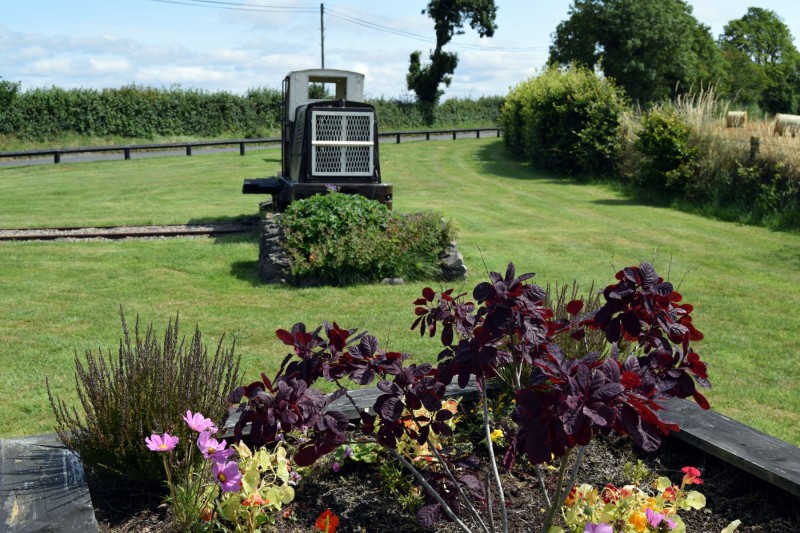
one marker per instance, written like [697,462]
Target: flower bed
[356,495]
[575,377]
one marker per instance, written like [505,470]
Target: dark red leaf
[701,400]
[428,515]
[428,294]
[285,337]
[574,307]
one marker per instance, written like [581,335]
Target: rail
[127,150]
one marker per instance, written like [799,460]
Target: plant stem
[489,502]
[500,495]
[452,477]
[430,490]
[551,513]
[169,479]
[542,486]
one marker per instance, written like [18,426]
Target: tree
[765,64]
[449,17]
[652,48]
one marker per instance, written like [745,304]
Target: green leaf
[695,500]
[662,483]
[730,528]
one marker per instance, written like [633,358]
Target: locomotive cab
[325,142]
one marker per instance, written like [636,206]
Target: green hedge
[565,120]
[134,111]
[145,112]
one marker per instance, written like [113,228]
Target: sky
[236,45]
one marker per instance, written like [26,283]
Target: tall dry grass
[745,173]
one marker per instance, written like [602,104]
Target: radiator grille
[342,143]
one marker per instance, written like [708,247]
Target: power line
[379,27]
[239,6]
[338,14]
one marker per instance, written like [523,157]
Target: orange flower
[639,521]
[669,493]
[327,522]
[254,499]
[207,514]
[450,405]
[571,497]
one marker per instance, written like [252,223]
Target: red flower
[630,380]
[610,493]
[327,522]
[691,475]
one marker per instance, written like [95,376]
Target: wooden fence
[127,150]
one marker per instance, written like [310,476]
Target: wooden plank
[744,447]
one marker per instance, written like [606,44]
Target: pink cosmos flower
[161,443]
[199,423]
[598,528]
[655,519]
[228,476]
[210,446]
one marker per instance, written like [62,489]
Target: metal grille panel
[342,143]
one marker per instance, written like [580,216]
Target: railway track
[126,232]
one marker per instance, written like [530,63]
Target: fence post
[477,134]
[56,157]
[127,153]
[454,135]
[241,148]
[398,138]
[427,136]
[188,149]
[755,146]
[498,132]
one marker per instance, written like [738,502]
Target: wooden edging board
[752,451]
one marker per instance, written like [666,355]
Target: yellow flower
[638,520]
[496,434]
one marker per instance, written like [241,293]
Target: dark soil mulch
[357,495]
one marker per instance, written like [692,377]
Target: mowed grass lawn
[62,298]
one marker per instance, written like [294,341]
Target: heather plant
[126,398]
[342,239]
[563,402]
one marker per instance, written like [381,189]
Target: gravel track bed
[123,232]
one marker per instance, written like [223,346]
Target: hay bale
[736,119]
[787,124]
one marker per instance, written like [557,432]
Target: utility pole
[322,32]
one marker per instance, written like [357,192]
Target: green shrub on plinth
[341,239]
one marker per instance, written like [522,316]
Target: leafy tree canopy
[449,17]
[764,62]
[762,36]
[650,47]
